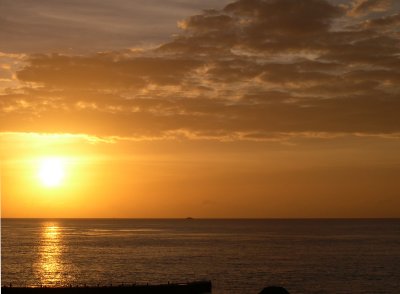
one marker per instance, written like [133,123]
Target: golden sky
[245,108]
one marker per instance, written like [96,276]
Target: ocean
[238,256]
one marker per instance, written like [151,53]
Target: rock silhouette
[274,290]
[180,288]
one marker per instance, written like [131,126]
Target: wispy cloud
[362,7]
[93,25]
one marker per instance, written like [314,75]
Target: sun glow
[51,171]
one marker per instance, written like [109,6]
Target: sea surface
[238,256]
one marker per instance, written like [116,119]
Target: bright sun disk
[51,172]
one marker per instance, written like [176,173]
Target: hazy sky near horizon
[179,108]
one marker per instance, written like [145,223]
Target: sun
[51,171]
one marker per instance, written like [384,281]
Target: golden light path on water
[50,255]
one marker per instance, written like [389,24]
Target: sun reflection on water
[50,255]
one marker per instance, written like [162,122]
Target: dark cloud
[252,70]
[283,17]
[104,71]
[386,22]
[256,25]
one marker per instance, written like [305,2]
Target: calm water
[239,256]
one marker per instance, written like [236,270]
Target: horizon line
[201,218]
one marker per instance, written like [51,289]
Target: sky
[208,109]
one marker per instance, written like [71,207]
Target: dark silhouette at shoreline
[274,290]
[186,288]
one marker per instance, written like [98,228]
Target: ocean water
[238,256]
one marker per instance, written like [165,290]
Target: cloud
[361,7]
[104,71]
[387,23]
[254,70]
[284,17]
[256,25]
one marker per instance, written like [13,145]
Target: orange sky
[246,109]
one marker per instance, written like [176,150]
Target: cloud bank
[253,70]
